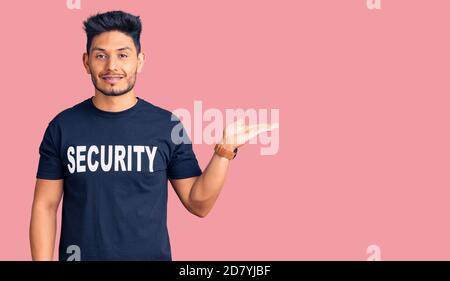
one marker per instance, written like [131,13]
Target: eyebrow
[103,50]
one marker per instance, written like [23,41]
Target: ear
[141,61]
[86,63]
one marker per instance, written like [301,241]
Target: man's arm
[47,196]
[198,194]
[193,193]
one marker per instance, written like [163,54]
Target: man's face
[113,63]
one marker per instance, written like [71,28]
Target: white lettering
[81,156]
[92,167]
[80,168]
[119,156]
[106,167]
[138,149]
[71,165]
[151,156]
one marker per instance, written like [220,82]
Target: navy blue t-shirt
[115,167]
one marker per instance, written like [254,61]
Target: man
[111,157]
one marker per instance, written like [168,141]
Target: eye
[123,56]
[100,56]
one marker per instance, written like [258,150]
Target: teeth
[112,78]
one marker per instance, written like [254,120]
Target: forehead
[112,40]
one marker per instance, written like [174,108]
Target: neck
[114,103]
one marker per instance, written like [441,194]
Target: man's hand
[198,194]
[237,133]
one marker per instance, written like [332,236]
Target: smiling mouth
[111,79]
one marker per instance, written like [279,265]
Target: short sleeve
[50,164]
[183,163]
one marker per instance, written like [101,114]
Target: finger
[240,122]
[274,126]
[269,126]
[259,128]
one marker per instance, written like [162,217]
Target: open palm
[238,133]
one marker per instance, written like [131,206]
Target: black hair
[113,21]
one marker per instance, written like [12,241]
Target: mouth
[112,79]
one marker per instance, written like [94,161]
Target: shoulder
[162,114]
[68,114]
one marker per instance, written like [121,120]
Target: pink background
[363,98]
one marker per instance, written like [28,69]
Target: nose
[111,64]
